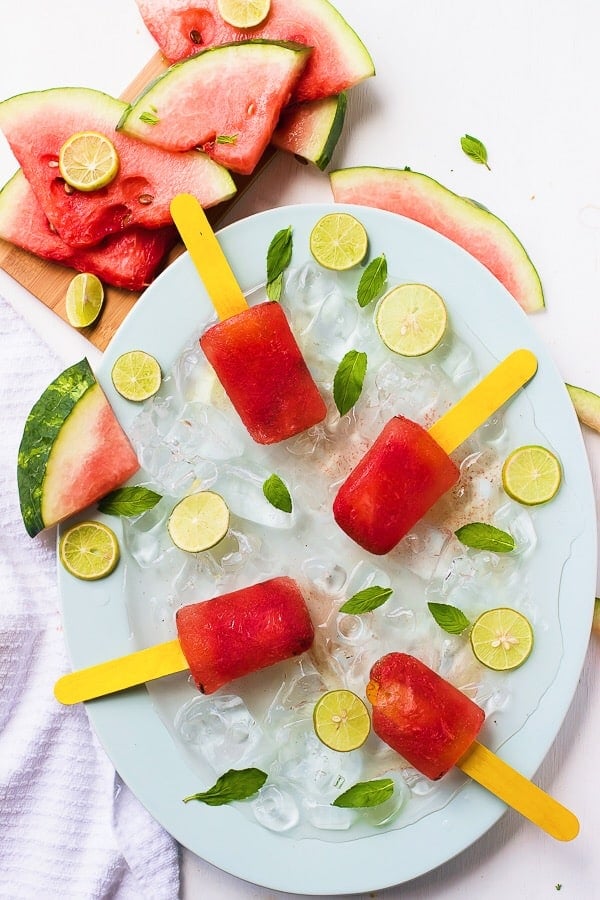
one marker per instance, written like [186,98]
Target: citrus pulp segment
[84,299]
[341,720]
[502,638]
[136,375]
[89,550]
[338,241]
[88,161]
[244,13]
[531,475]
[411,319]
[199,521]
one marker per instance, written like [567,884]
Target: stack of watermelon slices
[208,115]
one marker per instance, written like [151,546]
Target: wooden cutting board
[48,281]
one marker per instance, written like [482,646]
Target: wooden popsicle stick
[207,256]
[518,792]
[484,399]
[120,673]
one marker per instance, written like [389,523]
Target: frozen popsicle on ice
[219,640]
[407,469]
[434,726]
[252,349]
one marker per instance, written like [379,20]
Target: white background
[522,75]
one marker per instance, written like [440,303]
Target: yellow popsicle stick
[483,400]
[206,254]
[518,792]
[120,673]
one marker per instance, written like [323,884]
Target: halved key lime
[199,521]
[88,161]
[244,13]
[338,241]
[89,550]
[502,638]
[531,475]
[411,319]
[136,375]
[85,296]
[341,720]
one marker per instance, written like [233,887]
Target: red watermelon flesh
[128,260]
[38,123]
[339,59]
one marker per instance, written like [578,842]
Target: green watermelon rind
[587,406]
[328,116]
[357,185]
[42,428]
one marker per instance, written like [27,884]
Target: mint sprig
[450,618]
[129,501]
[475,149]
[276,492]
[481,536]
[348,380]
[366,600]
[366,794]
[372,281]
[279,256]
[236,784]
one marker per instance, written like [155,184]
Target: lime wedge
[84,299]
[199,521]
[88,161]
[136,375]
[89,550]
[244,13]
[501,638]
[341,720]
[338,241]
[531,475]
[411,319]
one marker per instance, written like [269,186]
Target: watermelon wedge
[469,225]
[312,129]
[225,100]
[73,450]
[36,125]
[339,59]
[128,260]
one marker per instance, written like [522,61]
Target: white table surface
[523,76]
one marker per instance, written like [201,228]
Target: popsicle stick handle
[484,399]
[206,254]
[120,673]
[518,792]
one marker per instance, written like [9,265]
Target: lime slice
[501,638]
[411,319]
[338,241]
[341,720]
[88,161]
[244,13]
[136,375]
[199,521]
[531,475]
[85,296]
[89,550]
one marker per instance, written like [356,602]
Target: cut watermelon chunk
[311,130]
[38,123]
[339,59]
[226,100]
[73,450]
[127,260]
[469,225]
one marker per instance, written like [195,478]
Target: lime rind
[502,639]
[84,299]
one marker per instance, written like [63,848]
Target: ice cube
[220,728]
[275,808]
[242,490]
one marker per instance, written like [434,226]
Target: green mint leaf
[367,600]
[448,617]
[274,287]
[366,793]
[279,253]
[236,784]
[372,281]
[129,501]
[485,537]
[348,380]
[277,493]
[474,149]
[226,139]
[149,118]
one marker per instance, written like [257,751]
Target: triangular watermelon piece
[339,59]
[128,260]
[37,124]
[226,100]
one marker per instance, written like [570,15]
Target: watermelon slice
[311,130]
[339,59]
[225,100]
[587,406]
[38,123]
[73,450]
[127,260]
[466,223]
